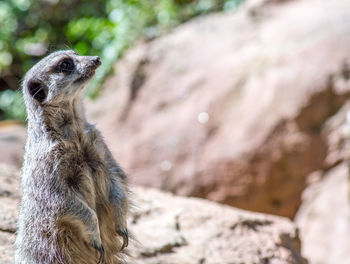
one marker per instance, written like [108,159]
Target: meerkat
[74,194]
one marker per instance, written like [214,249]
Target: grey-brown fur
[74,202]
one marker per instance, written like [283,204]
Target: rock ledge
[171,229]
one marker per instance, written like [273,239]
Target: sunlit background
[29,29]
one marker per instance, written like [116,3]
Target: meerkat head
[58,78]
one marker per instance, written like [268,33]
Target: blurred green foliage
[29,29]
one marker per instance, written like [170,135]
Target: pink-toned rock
[170,229]
[324,217]
[174,229]
[324,214]
[9,199]
[12,140]
[230,106]
[337,132]
[6,247]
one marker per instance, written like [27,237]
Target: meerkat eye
[66,65]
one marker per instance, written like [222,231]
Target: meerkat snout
[86,67]
[58,78]
[96,60]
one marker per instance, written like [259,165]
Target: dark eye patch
[66,66]
[37,91]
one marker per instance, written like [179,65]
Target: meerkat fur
[74,194]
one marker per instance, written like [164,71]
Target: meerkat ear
[37,90]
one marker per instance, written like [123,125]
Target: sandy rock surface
[324,218]
[172,229]
[324,215]
[230,106]
[9,199]
[190,230]
[12,140]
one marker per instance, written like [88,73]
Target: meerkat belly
[79,181]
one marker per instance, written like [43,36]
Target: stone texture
[12,140]
[170,229]
[9,198]
[190,230]
[6,247]
[9,193]
[337,132]
[324,217]
[230,106]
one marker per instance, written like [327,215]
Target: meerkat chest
[87,157]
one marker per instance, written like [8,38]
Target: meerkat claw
[101,251]
[124,234]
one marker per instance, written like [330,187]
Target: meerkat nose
[96,60]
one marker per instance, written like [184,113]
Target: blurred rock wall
[230,107]
[248,109]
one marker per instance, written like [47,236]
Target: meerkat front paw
[95,237]
[120,203]
[121,228]
[97,244]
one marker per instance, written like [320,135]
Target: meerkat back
[74,194]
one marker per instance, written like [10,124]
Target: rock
[190,230]
[9,193]
[324,218]
[9,199]
[324,215]
[12,140]
[170,229]
[6,247]
[230,106]
[337,132]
